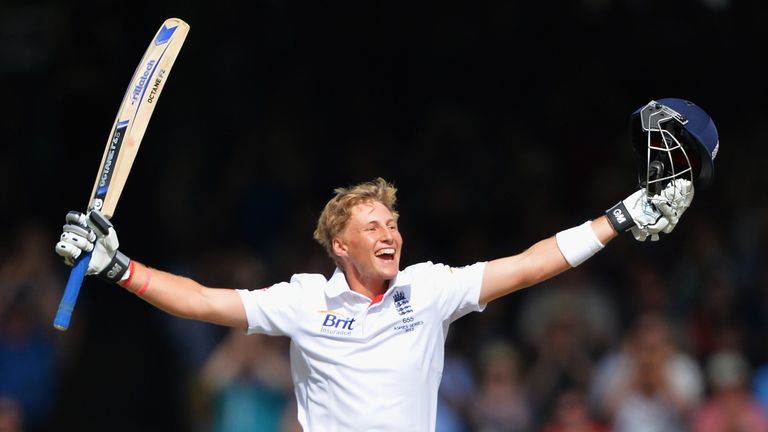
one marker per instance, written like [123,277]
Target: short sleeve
[458,289]
[271,310]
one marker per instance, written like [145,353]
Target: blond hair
[337,211]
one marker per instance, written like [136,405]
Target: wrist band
[578,244]
[131,271]
[145,285]
[116,268]
[620,218]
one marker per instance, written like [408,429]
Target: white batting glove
[673,201]
[648,220]
[93,233]
[642,234]
[649,217]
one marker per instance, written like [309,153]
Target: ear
[340,248]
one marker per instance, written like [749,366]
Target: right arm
[185,298]
[174,294]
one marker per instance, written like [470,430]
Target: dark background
[500,123]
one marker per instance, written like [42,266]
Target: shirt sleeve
[271,310]
[458,289]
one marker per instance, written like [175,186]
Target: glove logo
[114,271]
[620,218]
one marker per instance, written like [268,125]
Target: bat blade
[133,116]
[124,140]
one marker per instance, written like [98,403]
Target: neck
[369,287]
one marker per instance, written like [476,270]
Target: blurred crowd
[493,144]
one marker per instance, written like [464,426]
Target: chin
[390,274]
[386,271]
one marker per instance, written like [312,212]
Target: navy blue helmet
[673,138]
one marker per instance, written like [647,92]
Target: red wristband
[131,267]
[144,286]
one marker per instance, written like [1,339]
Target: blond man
[367,345]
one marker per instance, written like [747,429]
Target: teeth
[388,251]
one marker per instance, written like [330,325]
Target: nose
[388,237]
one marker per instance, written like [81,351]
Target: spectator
[571,414]
[250,381]
[730,407]
[567,324]
[455,393]
[28,291]
[501,404]
[651,384]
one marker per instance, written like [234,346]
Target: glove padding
[92,233]
[673,201]
[659,213]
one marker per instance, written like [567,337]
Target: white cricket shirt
[363,366]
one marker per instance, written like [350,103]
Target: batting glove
[673,201]
[93,233]
[649,217]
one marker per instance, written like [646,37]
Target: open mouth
[386,254]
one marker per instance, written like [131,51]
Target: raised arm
[538,263]
[646,217]
[186,298]
[174,294]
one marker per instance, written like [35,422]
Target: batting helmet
[673,138]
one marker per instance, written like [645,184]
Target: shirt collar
[337,284]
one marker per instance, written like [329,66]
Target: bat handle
[68,300]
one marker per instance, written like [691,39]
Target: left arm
[538,263]
[645,217]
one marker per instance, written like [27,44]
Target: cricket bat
[123,142]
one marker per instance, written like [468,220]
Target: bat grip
[68,300]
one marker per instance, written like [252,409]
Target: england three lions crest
[401,303]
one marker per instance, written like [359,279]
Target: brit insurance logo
[336,324]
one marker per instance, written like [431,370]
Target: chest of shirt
[344,327]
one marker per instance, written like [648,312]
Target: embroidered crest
[401,303]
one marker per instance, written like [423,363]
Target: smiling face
[369,247]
